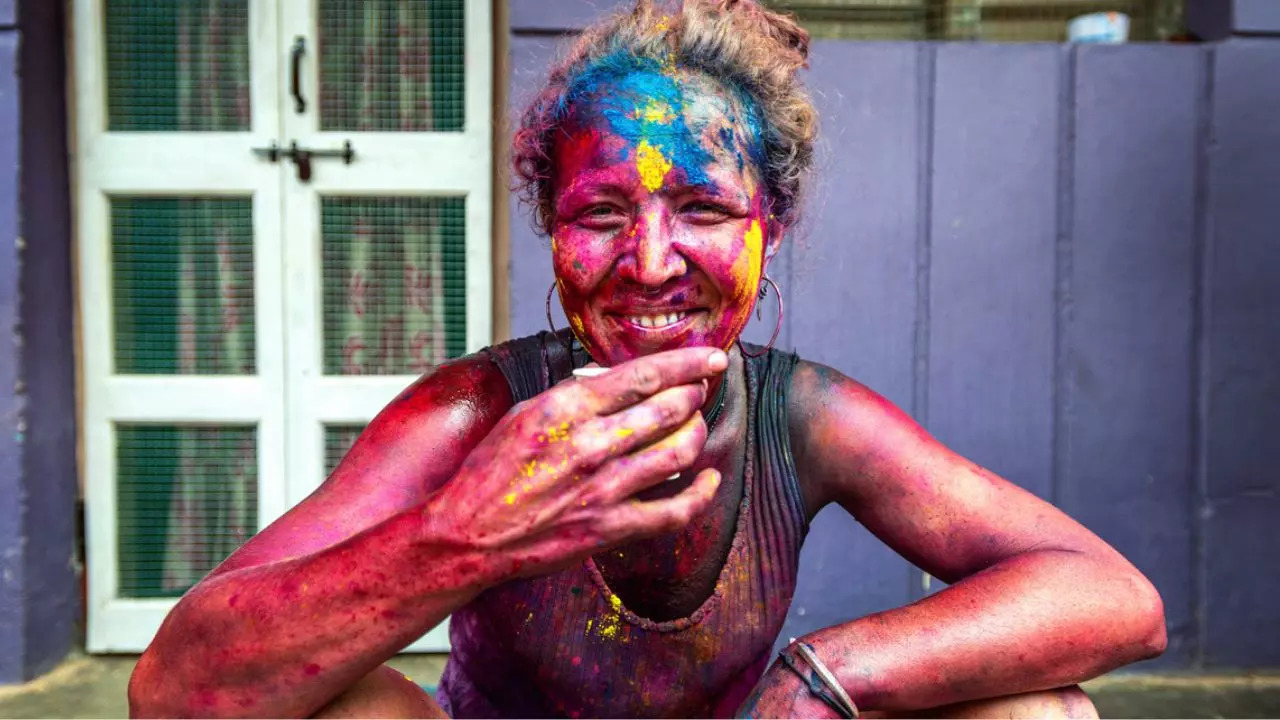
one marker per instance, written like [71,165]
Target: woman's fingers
[635,380]
[602,439]
[633,519]
[624,476]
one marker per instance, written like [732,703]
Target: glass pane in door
[182,285]
[391,65]
[177,65]
[186,498]
[394,274]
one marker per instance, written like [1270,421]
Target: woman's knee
[383,693]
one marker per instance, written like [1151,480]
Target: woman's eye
[601,216]
[705,211]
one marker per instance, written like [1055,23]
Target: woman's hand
[556,479]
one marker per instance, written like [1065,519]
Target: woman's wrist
[850,659]
[801,659]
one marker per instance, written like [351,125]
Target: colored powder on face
[579,329]
[614,86]
[652,165]
[642,105]
[746,269]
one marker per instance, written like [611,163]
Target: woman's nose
[653,258]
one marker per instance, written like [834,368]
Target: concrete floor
[94,687]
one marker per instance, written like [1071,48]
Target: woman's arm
[323,596]
[1038,601]
[445,494]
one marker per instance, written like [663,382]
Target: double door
[282,218]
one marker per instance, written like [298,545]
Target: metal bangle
[830,690]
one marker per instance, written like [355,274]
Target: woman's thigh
[383,693]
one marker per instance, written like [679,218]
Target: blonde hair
[748,48]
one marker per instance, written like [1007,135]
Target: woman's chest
[670,576]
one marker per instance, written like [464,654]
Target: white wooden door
[218,290]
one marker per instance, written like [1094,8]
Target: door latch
[302,157]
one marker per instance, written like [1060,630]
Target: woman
[665,159]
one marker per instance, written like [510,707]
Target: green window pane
[177,65]
[391,65]
[186,497]
[394,283]
[182,285]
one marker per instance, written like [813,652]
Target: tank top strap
[783,521]
[533,364]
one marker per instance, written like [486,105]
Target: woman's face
[661,223]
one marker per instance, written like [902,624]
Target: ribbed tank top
[565,645]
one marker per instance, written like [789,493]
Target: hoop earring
[551,323]
[777,327]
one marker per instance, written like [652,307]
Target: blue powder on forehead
[620,86]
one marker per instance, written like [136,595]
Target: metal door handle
[295,74]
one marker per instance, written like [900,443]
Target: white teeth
[657,321]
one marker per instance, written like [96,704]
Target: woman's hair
[753,51]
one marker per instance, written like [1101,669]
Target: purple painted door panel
[1127,355]
[1242,322]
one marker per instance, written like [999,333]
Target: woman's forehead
[684,118]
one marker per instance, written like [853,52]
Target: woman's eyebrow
[714,190]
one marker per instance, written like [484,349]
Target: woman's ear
[773,243]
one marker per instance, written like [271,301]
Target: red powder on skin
[312,669]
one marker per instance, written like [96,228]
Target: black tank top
[565,645]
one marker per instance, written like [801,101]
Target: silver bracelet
[828,678]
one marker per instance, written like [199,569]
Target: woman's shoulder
[835,419]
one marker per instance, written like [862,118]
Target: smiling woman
[624,542]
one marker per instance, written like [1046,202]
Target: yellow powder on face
[664,24]
[575,322]
[652,165]
[510,499]
[746,269]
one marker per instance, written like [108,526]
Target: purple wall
[12,404]
[1063,261]
[39,595]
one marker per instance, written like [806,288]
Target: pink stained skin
[626,246]
[451,490]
